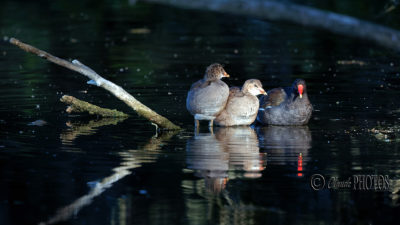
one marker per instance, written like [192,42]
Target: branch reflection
[130,159]
[78,128]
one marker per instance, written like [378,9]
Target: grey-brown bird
[242,105]
[208,96]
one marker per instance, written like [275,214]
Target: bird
[286,106]
[242,105]
[208,96]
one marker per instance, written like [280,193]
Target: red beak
[300,88]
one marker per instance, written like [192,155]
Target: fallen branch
[306,16]
[79,106]
[96,79]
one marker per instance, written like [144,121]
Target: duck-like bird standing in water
[208,96]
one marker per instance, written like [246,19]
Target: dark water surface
[80,170]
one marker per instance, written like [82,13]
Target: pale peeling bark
[306,16]
[96,79]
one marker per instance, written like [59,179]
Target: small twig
[79,106]
[117,91]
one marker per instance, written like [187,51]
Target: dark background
[42,170]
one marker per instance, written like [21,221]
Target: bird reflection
[229,153]
[244,152]
[286,144]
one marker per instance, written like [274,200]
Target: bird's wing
[197,84]
[275,97]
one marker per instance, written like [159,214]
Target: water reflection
[229,153]
[244,152]
[395,191]
[130,159]
[78,128]
[286,145]
[284,142]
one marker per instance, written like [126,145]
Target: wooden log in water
[79,106]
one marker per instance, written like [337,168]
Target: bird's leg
[211,126]
[211,123]
[211,129]
[156,135]
[196,123]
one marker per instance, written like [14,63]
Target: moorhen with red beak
[286,106]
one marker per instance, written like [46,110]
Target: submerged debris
[395,111]
[38,123]
[387,134]
[351,62]
[139,31]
